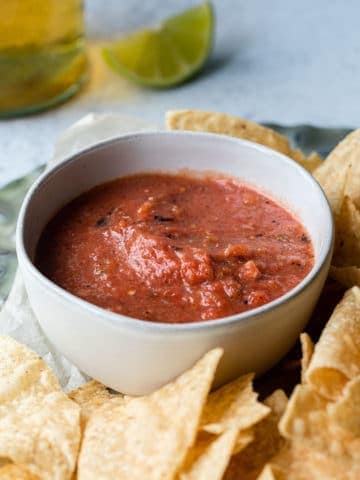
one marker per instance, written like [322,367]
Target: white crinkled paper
[16,318]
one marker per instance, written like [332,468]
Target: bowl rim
[118,319]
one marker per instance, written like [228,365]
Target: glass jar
[42,54]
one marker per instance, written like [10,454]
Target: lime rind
[168,55]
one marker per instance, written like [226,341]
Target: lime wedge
[167,55]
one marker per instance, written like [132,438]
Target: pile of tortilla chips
[184,431]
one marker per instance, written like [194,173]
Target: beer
[42,55]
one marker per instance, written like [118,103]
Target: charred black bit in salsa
[102,222]
[304,238]
[160,218]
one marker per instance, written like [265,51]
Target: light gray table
[282,61]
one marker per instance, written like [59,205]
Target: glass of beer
[42,54]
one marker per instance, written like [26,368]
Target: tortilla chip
[347,276]
[347,238]
[280,462]
[209,457]
[244,438]
[346,411]
[307,348]
[336,358]
[39,424]
[333,445]
[298,463]
[227,125]
[147,437]
[90,397]
[220,123]
[315,159]
[339,175]
[323,437]
[273,472]
[334,187]
[277,403]
[233,405]
[248,464]
[310,163]
[307,422]
[306,419]
[302,403]
[15,472]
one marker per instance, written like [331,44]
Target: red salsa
[175,248]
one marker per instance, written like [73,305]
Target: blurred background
[279,62]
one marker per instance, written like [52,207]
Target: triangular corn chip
[39,424]
[347,237]
[248,464]
[147,437]
[210,456]
[15,472]
[346,411]
[307,348]
[233,405]
[347,276]
[339,174]
[221,123]
[336,358]
[90,397]
[323,441]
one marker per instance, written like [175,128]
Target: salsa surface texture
[175,248]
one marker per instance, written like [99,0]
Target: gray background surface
[283,61]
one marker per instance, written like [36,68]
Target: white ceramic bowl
[135,356]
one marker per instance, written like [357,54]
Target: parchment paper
[16,318]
